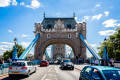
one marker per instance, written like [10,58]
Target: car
[21,68]
[44,63]
[51,61]
[67,63]
[99,73]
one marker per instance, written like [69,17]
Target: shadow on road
[16,77]
[65,69]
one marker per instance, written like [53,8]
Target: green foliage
[113,46]
[9,53]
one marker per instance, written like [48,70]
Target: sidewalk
[3,76]
[80,66]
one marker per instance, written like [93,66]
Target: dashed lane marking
[44,77]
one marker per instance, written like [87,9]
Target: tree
[113,46]
[9,53]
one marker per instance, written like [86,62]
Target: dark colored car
[67,63]
[99,73]
[44,63]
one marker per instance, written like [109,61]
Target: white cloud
[34,4]
[86,17]
[97,5]
[106,13]
[22,3]
[93,45]
[14,2]
[10,31]
[97,17]
[76,18]
[25,35]
[25,44]
[5,46]
[89,55]
[4,3]
[107,32]
[111,23]
[6,43]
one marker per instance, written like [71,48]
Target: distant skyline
[17,19]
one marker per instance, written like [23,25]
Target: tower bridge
[60,31]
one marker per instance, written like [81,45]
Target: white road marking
[50,75]
[49,70]
[56,69]
[44,77]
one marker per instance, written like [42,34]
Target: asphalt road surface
[52,72]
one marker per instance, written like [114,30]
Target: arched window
[48,35]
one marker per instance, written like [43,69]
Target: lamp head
[105,40]
[15,40]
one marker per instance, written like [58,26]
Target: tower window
[48,35]
[49,26]
[69,26]
[69,35]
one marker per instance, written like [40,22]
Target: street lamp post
[106,61]
[15,56]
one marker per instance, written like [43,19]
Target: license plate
[69,66]
[15,72]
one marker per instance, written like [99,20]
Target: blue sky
[17,18]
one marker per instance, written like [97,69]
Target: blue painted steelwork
[70,55]
[51,50]
[46,54]
[26,52]
[92,51]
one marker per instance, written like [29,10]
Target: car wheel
[80,79]
[63,68]
[10,76]
[28,74]
[73,68]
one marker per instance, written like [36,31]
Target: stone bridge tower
[60,31]
[58,51]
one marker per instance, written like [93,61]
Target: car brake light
[96,71]
[10,68]
[24,68]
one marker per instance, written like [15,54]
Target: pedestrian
[102,62]
[91,61]
[111,62]
[96,62]
[79,60]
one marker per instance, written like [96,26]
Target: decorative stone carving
[59,26]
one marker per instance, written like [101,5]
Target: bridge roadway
[52,72]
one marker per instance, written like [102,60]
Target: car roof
[21,61]
[66,59]
[104,67]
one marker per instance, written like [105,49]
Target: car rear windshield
[66,60]
[18,64]
[112,74]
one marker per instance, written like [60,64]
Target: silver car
[21,68]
